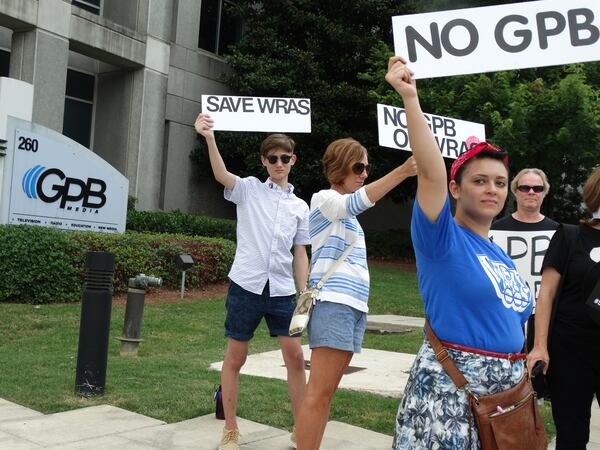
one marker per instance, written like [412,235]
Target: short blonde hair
[591,194]
[539,172]
[339,157]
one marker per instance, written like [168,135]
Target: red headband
[474,151]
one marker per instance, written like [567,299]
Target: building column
[41,58]
[145,146]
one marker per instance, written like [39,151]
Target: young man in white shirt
[271,221]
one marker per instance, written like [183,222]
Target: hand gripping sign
[271,114]
[504,37]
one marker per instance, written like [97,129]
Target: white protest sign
[454,137]
[527,250]
[271,114]
[503,37]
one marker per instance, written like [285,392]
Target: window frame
[87,5]
[217,32]
[92,102]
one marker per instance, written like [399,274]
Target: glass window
[79,107]
[218,27]
[80,85]
[4,63]
[88,5]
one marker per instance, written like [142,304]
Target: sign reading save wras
[271,114]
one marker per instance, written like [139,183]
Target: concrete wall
[40,58]
[112,124]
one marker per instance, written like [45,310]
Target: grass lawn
[170,379]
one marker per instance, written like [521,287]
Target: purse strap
[335,265]
[444,358]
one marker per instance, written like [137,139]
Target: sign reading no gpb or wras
[453,136]
[504,37]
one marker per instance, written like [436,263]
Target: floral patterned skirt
[433,414]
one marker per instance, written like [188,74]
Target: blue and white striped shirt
[333,227]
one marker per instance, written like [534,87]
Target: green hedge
[180,223]
[39,265]
[391,244]
[44,265]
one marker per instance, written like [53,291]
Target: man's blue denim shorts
[338,326]
[245,310]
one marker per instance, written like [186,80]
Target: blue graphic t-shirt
[473,294]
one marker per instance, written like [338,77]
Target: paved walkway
[108,427]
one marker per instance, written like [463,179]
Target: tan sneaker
[293,437]
[230,440]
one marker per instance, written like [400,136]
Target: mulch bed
[164,295]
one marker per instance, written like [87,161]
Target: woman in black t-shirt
[570,347]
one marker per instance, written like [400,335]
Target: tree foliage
[336,55]
[546,117]
[312,49]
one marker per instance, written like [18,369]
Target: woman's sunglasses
[358,168]
[526,188]
[285,159]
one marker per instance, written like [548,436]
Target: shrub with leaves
[39,265]
[45,265]
[180,223]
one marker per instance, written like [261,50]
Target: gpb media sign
[34,186]
[503,37]
[58,183]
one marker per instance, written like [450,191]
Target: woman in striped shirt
[338,321]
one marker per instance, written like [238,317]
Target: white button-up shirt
[270,221]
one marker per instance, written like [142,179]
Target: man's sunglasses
[526,188]
[285,159]
[358,168]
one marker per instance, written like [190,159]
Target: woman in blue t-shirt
[476,302]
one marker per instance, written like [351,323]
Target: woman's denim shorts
[338,326]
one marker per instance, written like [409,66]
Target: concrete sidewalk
[108,427]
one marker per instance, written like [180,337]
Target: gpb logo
[33,185]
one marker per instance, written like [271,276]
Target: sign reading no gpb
[503,37]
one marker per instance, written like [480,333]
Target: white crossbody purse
[308,297]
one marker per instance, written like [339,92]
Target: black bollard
[134,310]
[96,303]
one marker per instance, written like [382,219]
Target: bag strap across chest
[444,358]
[335,266]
